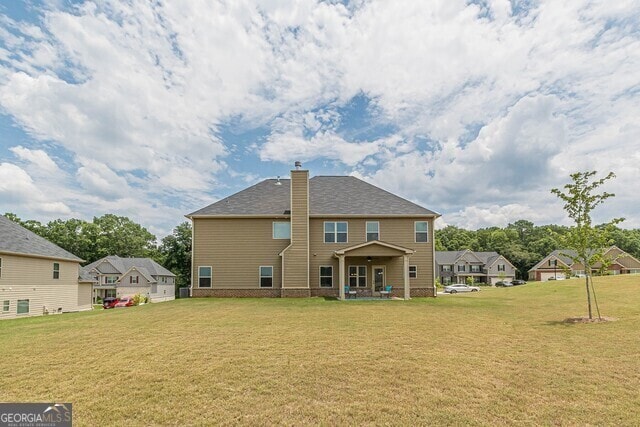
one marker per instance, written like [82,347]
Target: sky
[474,109]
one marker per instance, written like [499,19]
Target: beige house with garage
[304,237]
[38,277]
[559,264]
[482,267]
[119,277]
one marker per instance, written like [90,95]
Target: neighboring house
[559,264]
[483,267]
[312,237]
[36,276]
[118,277]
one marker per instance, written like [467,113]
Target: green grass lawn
[500,356]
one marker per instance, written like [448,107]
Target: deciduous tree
[581,197]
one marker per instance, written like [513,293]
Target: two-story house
[483,267]
[312,237]
[559,264]
[36,276]
[118,277]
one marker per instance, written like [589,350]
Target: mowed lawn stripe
[502,356]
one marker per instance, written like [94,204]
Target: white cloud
[510,101]
[18,189]
[38,158]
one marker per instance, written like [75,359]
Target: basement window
[326,276]
[204,277]
[23,306]
[413,272]
[266,276]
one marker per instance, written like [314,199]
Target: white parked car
[454,289]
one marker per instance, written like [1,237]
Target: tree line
[118,235]
[523,243]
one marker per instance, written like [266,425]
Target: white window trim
[449,267]
[0,267]
[504,267]
[208,277]
[56,271]
[366,276]
[8,306]
[320,276]
[137,282]
[415,231]
[416,267]
[366,237]
[18,303]
[273,230]
[260,276]
[335,233]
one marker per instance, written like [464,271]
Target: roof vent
[278,181]
[298,165]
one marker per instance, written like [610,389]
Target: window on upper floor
[266,276]
[281,230]
[462,267]
[336,232]
[204,277]
[501,267]
[553,262]
[475,269]
[326,276]
[110,280]
[446,268]
[56,270]
[413,272]
[421,231]
[134,279]
[373,230]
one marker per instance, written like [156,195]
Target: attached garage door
[545,276]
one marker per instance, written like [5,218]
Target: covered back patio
[378,260]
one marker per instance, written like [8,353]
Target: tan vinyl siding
[84,296]
[296,257]
[397,231]
[235,248]
[125,283]
[24,277]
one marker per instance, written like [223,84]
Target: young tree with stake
[588,242]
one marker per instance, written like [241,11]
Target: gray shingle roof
[328,195]
[17,239]
[122,265]
[449,257]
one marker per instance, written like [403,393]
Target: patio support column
[341,275]
[405,276]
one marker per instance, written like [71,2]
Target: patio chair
[348,292]
[386,292]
